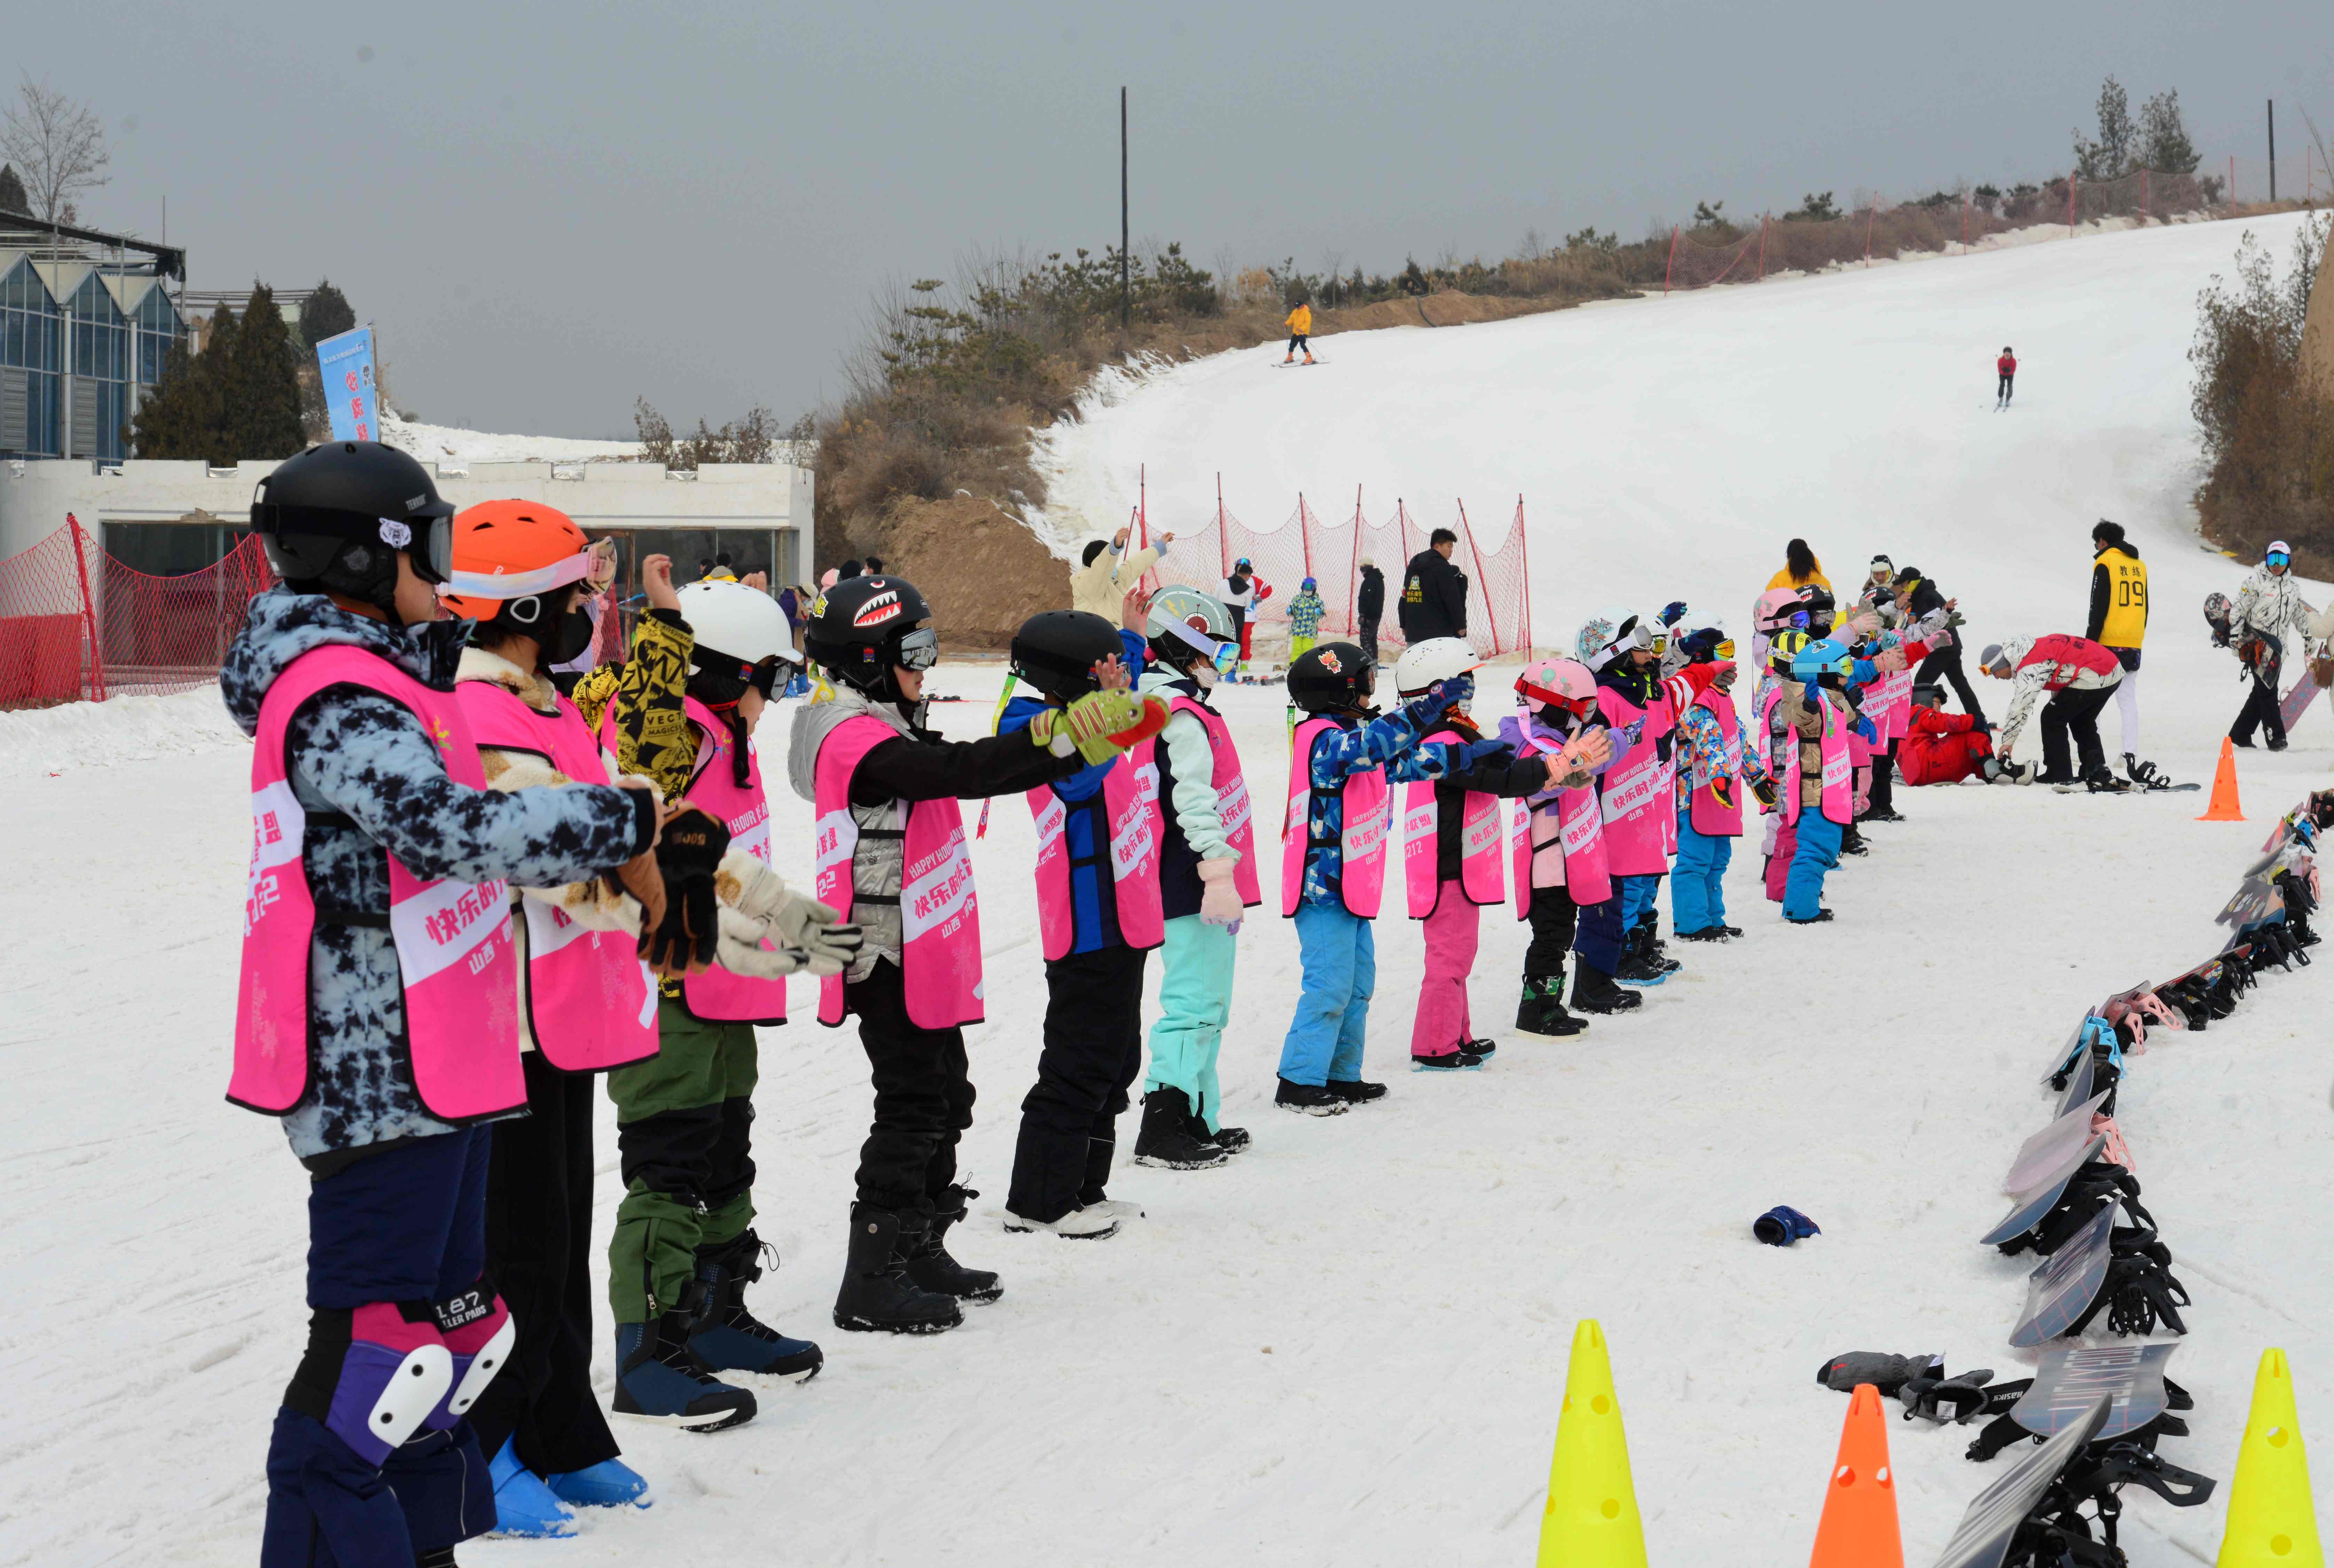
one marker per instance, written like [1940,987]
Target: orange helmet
[508,550]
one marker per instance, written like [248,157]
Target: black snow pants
[1945,664]
[2001,388]
[1553,919]
[2076,713]
[923,1096]
[2262,710]
[1094,1049]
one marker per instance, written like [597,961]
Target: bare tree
[58,148]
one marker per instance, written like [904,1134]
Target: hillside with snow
[1349,1347]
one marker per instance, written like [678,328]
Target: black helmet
[1332,677]
[335,517]
[1928,694]
[862,625]
[1056,651]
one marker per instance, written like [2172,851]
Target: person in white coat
[2268,610]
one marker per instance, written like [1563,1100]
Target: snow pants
[1093,1050]
[1195,1003]
[1333,1014]
[684,1130]
[1639,896]
[1778,857]
[1598,940]
[923,1096]
[1698,891]
[1555,918]
[1299,645]
[2127,697]
[1881,800]
[407,1225]
[1816,852]
[539,1252]
[2072,713]
[1443,1024]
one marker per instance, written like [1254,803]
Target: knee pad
[479,1331]
[372,1374]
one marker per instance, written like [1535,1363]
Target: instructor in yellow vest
[2119,624]
[1299,323]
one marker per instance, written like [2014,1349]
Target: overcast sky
[549,209]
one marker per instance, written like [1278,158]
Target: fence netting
[1498,592]
[76,624]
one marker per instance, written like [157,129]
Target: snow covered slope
[1348,1348]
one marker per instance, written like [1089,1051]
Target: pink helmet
[1566,682]
[1767,612]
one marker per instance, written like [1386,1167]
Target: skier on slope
[2118,622]
[2268,610]
[1244,594]
[1299,323]
[2078,676]
[2005,371]
[376,1013]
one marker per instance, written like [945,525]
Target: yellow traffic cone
[1592,1520]
[2271,1521]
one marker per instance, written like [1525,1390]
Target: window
[32,339]
[99,388]
[158,326]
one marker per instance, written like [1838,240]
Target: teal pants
[1195,1001]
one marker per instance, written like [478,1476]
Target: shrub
[2269,438]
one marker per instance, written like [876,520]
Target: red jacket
[2072,659]
[1942,747]
[2006,365]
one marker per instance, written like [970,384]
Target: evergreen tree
[326,315]
[2164,146]
[12,193]
[184,417]
[262,381]
[2111,155]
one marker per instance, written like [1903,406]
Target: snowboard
[2217,612]
[2305,691]
[2083,789]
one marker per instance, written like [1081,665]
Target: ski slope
[1349,1347]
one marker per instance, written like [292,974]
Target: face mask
[1205,677]
[570,636]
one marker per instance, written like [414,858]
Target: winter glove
[1102,725]
[1884,1371]
[1889,661]
[1450,693]
[1781,1227]
[639,877]
[1219,900]
[1481,751]
[1955,620]
[1673,612]
[1764,790]
[1934,1397]
[688,854]
[1864,727]
[1864,623]
[1940,640]
[757,907]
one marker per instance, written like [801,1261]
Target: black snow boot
[1167,1140]
[1355,1091]
[930,1266]
[1541,1011]
[1637,966]
[1851,843]
[729,1338]
[1230,1140]
[1307,1100]
[1593,991]
[877,1293]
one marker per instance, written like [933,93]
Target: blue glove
[1490,745]
[1864,727]
[1673,612]
[1458,688]
[1781,1227]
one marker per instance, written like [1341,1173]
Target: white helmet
[736,621]
[1422,664]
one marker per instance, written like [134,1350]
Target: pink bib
[1232,804]
[454,947]
[1479,874]
[590,1001]
[1366,798]
[719,996]
[1704,810]
[1635,800]
[1129,799]
[1559,844]
[939,916]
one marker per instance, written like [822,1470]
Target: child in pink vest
[1557,848]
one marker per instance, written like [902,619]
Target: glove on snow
[1934,1397]
[1781,1227]
[688,854]
[1219,900]
[1884,1371]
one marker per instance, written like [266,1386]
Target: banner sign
[346,364]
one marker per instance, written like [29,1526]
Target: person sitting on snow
[1940,748]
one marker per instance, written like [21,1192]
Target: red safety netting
[1498,588]
[1721,252]
[77,624]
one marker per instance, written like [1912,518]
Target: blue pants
[1698,893]
[1819,852]
[1341,971]
[1598,940]
[1639,894]
[408,1223]
[1195,1003]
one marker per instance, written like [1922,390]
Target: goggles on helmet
[1224,656]
[2278,558]
[507,585]
[918,649]
[1724,649]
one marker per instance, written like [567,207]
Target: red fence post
[1523,543]
[1304,532]
[1671,266]
[1353,570]
[1475,552]
[1142,506]
[88,612]
[1223,534]
[1762,273]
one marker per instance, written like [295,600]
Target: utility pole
[2272,149]
[1125,293]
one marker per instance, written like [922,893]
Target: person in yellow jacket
[2118,622]
[1299,323]
[1800,569]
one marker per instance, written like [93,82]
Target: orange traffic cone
[2225,807]
[1859,1529]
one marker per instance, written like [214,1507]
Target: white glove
[805,930]
[738,948]
[1219,902]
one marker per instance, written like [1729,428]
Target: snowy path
[1349,1347]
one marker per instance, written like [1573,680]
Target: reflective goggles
[501,584]
[918,649]
[1225,655]
[1724,649]
[2278,558]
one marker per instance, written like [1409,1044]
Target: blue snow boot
[660,1380]
[728,1338]
[610,1484]
[523,1506]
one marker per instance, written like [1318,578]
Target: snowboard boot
[1707,934]
[1485,1048]
[1541,1011]
[730,1339]
[610,1484]
[930,1266]
[1851,843]
[1460,1061]
[523,1506]
[1167,1140]
[659,1379]
[2103,782]
[1230,1140]
[1355,1091]
[1656,950]
[1593,991]
[1635,968]
[1307,1100]
[1088,1222]
[877,1295]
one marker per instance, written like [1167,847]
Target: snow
[1349,1347]
[452,446]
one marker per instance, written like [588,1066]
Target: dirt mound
[1447,309]
[982,572]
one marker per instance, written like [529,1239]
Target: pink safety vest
[1232,804]
[1363,840]
[939,916]
[1708,816]
[1838,783]
[719,996]
[1636,796]
[1573,854]
[455,957]
[591,1003]
[1129,795]
[1899,686]
[1480,875]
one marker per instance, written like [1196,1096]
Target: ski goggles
[501,584]
[2278,558]
[307,539]
[1224,656]
[918,649]
[1722,648]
